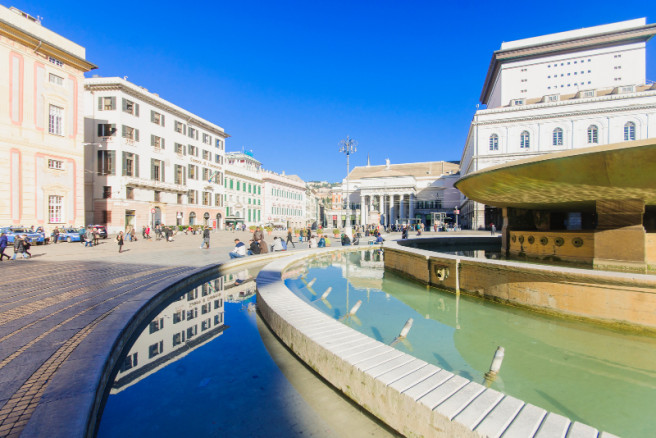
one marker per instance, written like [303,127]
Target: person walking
[206,238]
[55,234]
[96,236]
[493,229]
[289,238]
[88,238]
[19,247]
[3,246]
[119,240]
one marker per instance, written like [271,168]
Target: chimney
[387,163]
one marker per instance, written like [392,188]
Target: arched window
[629,131]
[593,134]
[557,137]
[494,142]
[525,140]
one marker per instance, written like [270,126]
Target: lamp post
[348,147]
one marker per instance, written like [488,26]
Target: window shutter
[136,165]
[184,129]
[161,169]
[152,115]
[124,131]
[112,129]
[113,102]
[161,140]
[100,104]
[184,150]
[184,175]
[152,168]
[136,135]
[125,104]
[125,164]
[136,109]
[112,161]
[162,119]
[100,130]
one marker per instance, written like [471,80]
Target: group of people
[22,245]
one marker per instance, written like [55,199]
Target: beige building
[41,127]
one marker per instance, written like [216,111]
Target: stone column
[411,206]
[620,238]
[505,232]
[401,208]
[382,209]
[363,219]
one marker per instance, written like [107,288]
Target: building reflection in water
[188,322]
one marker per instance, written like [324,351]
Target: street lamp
[348,147]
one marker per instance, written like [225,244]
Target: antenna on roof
[368,161]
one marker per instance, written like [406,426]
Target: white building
[397,194]
[149,161]
[561,91]
[243,189]
[41,130]
[284,200]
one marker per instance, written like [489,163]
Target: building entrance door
[129,220]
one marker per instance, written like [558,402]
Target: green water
[597,376]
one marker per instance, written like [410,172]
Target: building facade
[556,92]
[284,200]
[148,161]
[41,126]
[244,192]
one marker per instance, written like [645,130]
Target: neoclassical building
[557,92]
[284,200]
[41,124]
[396,194]
[244,192]
[149,161]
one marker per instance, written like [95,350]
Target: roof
[566,42]
[418,170]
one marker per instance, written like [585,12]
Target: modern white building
[284,200]
[184,325]
[567,90]
[398,194]
[149,161]
[243,189]
[41,125]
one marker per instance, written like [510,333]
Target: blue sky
[290,79]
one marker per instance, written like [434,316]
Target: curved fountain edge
[412,396]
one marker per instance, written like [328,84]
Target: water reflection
[190,321]
[590,374]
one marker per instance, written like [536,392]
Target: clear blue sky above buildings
[290,79]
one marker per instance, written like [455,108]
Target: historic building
[243,189]
[568,90]
[41,129]
[284,200]
[148,161]
[398,194]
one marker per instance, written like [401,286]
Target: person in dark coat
[3,246]
[254,248]
[19,247]
[289,238]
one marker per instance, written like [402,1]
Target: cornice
[34,42]
[157,102]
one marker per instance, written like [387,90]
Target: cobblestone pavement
[51,303]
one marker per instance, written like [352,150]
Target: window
[106,129]
[193,150]
[106,103]
[593,134]
[157,118]
[156,325]
[207,139]
[525,140]
[130,133]
[55,120]
[130,107]
[191,195]
[130,164]
[219,143]
[207,198]
[629,131]
[129,193]
[54,79]
[180,149]
[180,177]
[179,198]
[157,196]
[55,61]
[558,137]
[516,102]
[217,199]
[156,142]
[178,338]
[55,204]
[156,170]
[193,171]
[180,127]
[207,156]
[106,163]
[107,192]
[55,164]
[494,142]
[193,133]
[155,349]
[217,159]
[206,174]
[129,362]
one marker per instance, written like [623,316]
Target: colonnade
[392,207]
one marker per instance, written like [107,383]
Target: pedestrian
[133,235]
[82,233]
[493,229]
[96,235]
[119,240]
[289,238]
[143,232]
[258,234]
[3,246]
[88,238]
[148,232]
[55,234]
[238,251]
[27,243]
[263,246]
[206,238]
[19,247]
